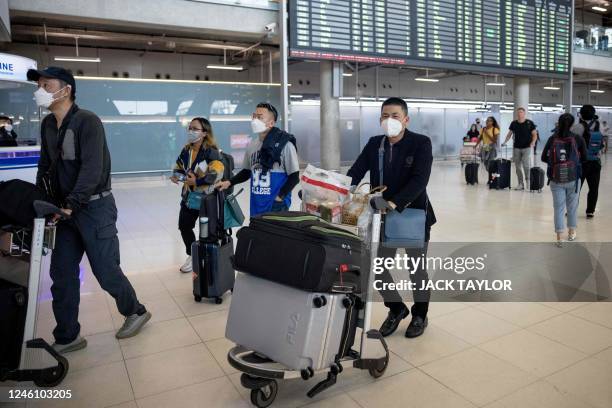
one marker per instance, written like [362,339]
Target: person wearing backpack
[589,129]
[565,152]
[198,166]
[270,162]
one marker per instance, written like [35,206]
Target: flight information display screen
[498,36]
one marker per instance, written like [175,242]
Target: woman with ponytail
[564,153]
[198,167]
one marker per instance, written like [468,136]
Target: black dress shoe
[392,321]
[416,327]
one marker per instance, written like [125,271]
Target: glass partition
[445,126]
[146,120]
[17,102]
[593,39]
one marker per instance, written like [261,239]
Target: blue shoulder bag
[404,229]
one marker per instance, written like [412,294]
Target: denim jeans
[565,198]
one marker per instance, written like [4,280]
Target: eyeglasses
[194,129]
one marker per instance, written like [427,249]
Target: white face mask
[44,99]
[391,127]
[258,126]
[8,127]
[193,136]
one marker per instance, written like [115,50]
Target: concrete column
[284,73]
[568,92]
[330,120]
[521,93]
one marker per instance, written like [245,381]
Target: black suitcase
[299,250]
[499,171]
[536,179]
[13,309]
[471,173]
[214,273]
[212,255]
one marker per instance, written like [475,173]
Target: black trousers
[591,172]
[392,298]
[186,224]
[92,230]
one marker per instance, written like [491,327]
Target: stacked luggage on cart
[298,300]
[26,241]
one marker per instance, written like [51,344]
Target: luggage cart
[37,360]
[261,375]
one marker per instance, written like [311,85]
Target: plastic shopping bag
[324,192]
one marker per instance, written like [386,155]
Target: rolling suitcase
[308,253]
[211,255]
[500,174]
[471,173]
[214,272]
[536,177]
[296,328]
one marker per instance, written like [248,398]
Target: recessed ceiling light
[77,59]
[426,78]
[597,8]
[227,67]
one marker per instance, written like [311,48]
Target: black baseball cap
[53,72]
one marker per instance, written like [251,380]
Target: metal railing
[595,40]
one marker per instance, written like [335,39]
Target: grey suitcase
[295,328]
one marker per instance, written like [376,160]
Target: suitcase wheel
[51,377]
[265,396]
[377,373]
[197,298]
[218,300]
[319,302]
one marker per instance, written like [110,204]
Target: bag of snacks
[353,208]
[324,192]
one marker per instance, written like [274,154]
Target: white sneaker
[187,266]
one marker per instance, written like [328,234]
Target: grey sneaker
[132,325]
[520,187]
[77,344]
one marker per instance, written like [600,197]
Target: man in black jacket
[74,168]
[407,166]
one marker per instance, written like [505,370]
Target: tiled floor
[493,355]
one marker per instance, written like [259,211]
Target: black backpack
[17,198]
